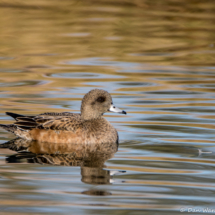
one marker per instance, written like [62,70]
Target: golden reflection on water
[167,32]
[156,58]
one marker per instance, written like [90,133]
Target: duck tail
[11,128]
[20,132]
[14,115]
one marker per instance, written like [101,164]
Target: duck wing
[56,121]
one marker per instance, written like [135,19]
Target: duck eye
[101,99]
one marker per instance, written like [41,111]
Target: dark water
[157,59]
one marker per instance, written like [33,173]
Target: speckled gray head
[95,103]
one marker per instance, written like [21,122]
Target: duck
[78,130]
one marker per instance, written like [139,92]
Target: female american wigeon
[87,128]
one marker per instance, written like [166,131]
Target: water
[156,58]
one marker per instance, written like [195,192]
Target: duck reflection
[91,162]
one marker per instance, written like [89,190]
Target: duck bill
[116,110]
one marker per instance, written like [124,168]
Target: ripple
[20,83]
[102,62]
[80,75]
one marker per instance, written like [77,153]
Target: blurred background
[156,58]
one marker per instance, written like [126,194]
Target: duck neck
[90,115]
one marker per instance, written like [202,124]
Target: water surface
[157,59]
